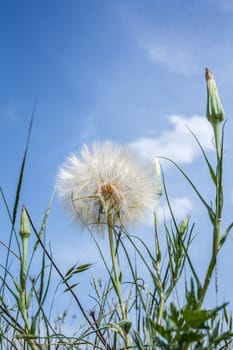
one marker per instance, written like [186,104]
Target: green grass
[133,310]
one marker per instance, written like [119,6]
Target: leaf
[22,169]
[138,341]
[209,209]
[211,171]
[29,298]
[125,325]
[70,287]
[197,317]
[82,268]
[225,235]
[183,225]
[75,270]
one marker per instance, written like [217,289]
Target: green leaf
[29,298]
[184,225]
[125,325]
[211,171]
[70,287]
[209,209]
[225,235]
[82,268]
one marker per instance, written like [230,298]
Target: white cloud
[177,143]
[181,207]
[89,128]
[162,45]
[177,58]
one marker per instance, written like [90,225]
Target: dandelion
[103,187]
[107,180]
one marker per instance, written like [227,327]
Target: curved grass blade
[63,278]
[177,230]
[18,191]
[211,171]
[225,235]
[209,209]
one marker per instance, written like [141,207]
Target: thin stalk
[217,137]
[157,247]
[219,205]
[117,283]
[114,265]
[163,299]
[67,285]
[23,267]
[157,266]
[23,281]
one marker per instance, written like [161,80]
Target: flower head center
[109,194]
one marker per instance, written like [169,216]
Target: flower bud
[214,109]
[24,224]
[157,177]
[183,225]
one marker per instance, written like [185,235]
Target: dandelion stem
[117,283]
[102,339]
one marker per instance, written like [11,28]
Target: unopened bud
[24,224]
[157,177]
[183,225]
[214,109]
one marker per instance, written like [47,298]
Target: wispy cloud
[89,128]
[181,206]
[175,49]
[177,143]
[178,58]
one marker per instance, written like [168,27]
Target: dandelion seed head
[108,178]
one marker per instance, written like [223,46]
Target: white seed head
[110,178]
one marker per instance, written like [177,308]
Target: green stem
[218,212]
[23,269]
[157,247]
[157,267]
[161,308]
[23,279]
[117,283]
[217,137]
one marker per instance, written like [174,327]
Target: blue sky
[127,70]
